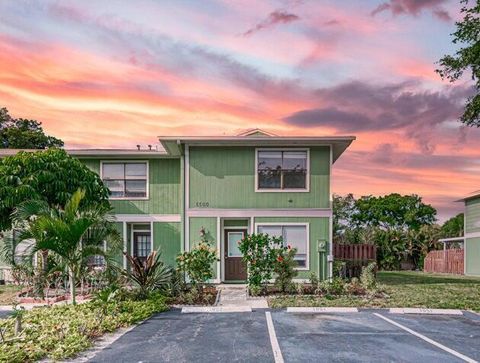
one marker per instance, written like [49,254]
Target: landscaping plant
[60,332]
[197,263]
[73,233]
[285,269]
[260,253]
[147,276]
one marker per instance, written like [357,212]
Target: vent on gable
[256,133]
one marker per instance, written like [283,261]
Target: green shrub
[334,287]
[62,331]
[314,280]
[284,268]
[260,252]
[198,262]
[339,268]
[368,279]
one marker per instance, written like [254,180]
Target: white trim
[249,213]
[330,257]
[120,161]
[307,226]
[138,218]
[186,195]
[151,237]
[218,248]
[301,190]
[222,252]
[472,235]
[451,239]
[465,242]
[125,244]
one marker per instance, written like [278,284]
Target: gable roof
[174,145]
[473,195]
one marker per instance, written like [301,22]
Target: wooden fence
[445,261]
[356,252]
[354,257]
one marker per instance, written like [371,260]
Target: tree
[73,233]
[453,227]
[466,58]
[393,211]
[51,176]
[24,134]
[343,210]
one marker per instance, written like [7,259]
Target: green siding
[224,177]
[165,194]
[472,256]
[235,223]
[166,238]
[318,230]
[210,225]
[472,215]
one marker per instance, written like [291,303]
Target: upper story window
[282,170]
[126,180]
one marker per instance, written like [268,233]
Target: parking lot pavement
[460,333]
[366,337]
[298,337]
[176,337]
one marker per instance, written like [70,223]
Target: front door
[141,245]
[234,266]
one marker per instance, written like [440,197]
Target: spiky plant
[149,275]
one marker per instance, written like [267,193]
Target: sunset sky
[119,73]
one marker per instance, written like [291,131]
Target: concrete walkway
[236,295]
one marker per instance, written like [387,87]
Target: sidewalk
[236,295]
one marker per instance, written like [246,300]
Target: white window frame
[298,190]
[307,227]
[129,162]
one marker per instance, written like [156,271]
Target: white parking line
[277,353]
[431,341]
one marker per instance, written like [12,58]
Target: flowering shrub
[284,268]
[198,262]
[260,252]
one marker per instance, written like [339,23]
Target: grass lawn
[404,289]
[8,294]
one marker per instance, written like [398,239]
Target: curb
[216,309]
[319,310]
[425,311]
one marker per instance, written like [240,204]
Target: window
[126,180]
[141,241]
[282,170]
[295,236]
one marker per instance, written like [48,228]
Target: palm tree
[73,233]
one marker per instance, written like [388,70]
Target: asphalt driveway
[298,337]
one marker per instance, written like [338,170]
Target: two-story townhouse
[472,233]
[230,186]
